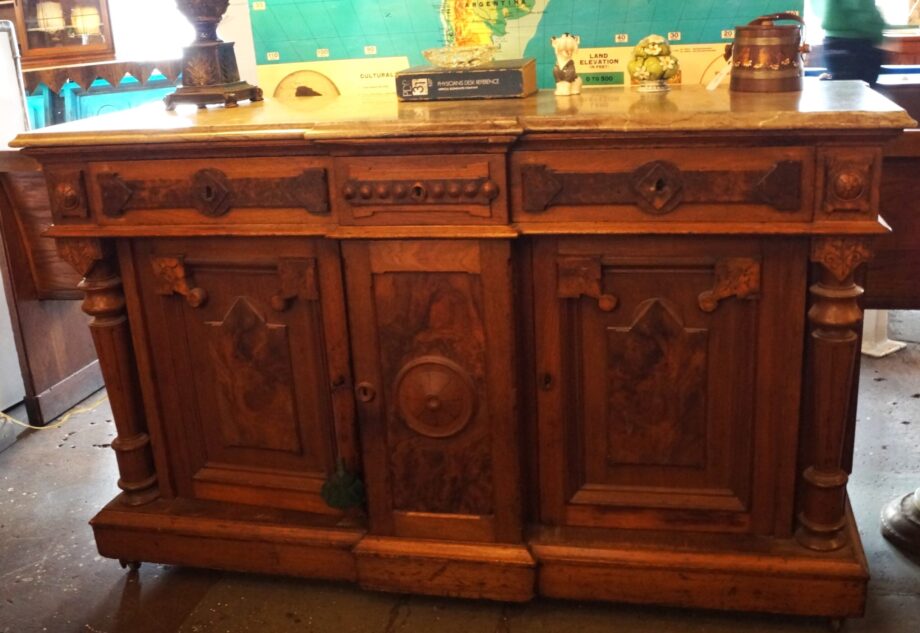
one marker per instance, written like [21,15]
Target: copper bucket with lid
[767,57]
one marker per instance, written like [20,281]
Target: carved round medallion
[435,396]
[849,184]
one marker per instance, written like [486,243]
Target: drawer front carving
[456,189]
[643,185]
[249,354]
[197,191]
[431,338]
[648,407]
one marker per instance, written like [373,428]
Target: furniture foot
[131,565]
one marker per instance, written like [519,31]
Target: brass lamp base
[901,522]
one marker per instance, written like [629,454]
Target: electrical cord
[59,422]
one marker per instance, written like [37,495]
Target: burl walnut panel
[648,402]
[431,333]
[241,338]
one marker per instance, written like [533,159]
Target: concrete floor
[51,578]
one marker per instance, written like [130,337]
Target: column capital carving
[841,256]
[83,253]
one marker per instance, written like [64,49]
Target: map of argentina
[357,46]
[507,24]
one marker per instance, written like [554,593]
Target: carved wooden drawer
[649,185]
[439,189]
[201,191]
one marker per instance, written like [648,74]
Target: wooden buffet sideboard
[591,347]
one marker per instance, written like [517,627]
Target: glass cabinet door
[59,32]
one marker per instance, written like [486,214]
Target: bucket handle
[775,17]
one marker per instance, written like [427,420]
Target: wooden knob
[365,392]
[197,297]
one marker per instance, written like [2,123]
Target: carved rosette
[435,396]
[835,317]
[849,181]
[67,191]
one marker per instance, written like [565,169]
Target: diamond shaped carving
[658,187]
[211,192]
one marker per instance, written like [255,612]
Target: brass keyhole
[208,193]
[660,185]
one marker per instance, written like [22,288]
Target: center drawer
[421,189]
[643,185]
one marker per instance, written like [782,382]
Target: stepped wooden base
[735,574]
[234,538]
[698,571]
[484,571]
[901,522]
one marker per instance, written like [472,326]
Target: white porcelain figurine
[567,80]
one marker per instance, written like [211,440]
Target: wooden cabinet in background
[56,355]
[62,32]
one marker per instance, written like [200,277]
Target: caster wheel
[835,625]
[131,565]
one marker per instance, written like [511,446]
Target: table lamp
[209,70]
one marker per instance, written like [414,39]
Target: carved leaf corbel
[735,277]
[840,255]
[297,279]
[81,253]
[581,277]
[173,278]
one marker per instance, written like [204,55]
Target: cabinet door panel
[432,344]
[650,349]
[239,330]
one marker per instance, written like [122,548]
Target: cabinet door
[432,347]
[248,343]
[668,371]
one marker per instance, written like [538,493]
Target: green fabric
[859,19]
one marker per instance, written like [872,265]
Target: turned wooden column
[833,346]
[901,522]
[105,302]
